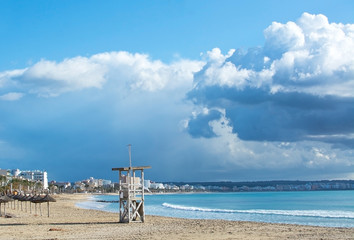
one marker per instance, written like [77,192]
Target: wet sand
[69,222]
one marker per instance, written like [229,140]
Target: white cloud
[311,56]
[220,71]
[48,78]
[12,96]
[7,76]
[284,36]
[320,65]
[272,155]
[135,71]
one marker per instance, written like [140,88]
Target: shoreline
[68,221]
[319,217]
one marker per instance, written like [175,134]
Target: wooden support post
[142,196]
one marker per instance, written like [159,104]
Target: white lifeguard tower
[131,192]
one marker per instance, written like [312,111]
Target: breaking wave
[302,213]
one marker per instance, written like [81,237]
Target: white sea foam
[91,205]
[303,213]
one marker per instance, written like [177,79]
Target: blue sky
[203,90]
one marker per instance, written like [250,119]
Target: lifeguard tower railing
[131,194]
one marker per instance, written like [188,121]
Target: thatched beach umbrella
[30,199]
[12,201]
[21,199]
[26,199]
[4,199]
[10,196]
[16,197]
[48,199]
[36,199]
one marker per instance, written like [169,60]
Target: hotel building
[35,175]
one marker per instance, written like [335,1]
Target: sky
[203,90]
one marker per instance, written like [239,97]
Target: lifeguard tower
[131,192]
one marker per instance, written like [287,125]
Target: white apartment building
[35,175]
[157,186]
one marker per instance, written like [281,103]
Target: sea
[316,208]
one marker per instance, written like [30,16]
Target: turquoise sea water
[318,208]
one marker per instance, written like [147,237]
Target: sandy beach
[69,222]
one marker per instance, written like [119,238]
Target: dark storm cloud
[199,126]
[259,115]
[299,86]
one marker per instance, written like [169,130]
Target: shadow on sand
[71,223]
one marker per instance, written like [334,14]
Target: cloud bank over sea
[278,111]
[295,95]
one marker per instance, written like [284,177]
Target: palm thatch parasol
[36,199]
[21,199]
[27,199]
[16,197]
[30,198]
[12,197]
[48,199]
[4,199]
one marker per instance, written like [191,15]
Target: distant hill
[276,185]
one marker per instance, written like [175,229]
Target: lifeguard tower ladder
[131,192]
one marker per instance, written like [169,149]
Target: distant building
[79,186]
[35,175]
[147,183]
[157,186]
[106,182]
[15,172]
[62,185]
[3,172]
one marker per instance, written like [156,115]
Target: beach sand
[69,222]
